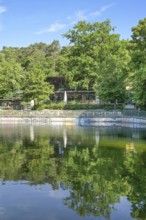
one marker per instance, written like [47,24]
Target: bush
[59,106]
[79,106]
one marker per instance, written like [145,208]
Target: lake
[56,172]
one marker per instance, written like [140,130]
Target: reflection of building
[60,86]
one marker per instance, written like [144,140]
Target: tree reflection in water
[96,173]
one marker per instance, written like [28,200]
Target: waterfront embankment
[80,117]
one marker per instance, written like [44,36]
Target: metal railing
[134,112]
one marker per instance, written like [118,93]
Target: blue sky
[25,22]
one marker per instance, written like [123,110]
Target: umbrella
[65,97]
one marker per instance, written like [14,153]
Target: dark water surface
[55,172]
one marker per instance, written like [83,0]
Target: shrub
[80,106]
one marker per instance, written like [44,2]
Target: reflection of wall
[62,135]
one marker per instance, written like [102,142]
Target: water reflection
[93,171]
[32,133]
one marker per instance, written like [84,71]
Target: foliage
[11,74]
[96,175]
[42,55]
[95,59]
[78,106]
[54,105]
[138,64]
[98,59]
[36,88]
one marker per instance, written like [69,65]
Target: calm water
[52,172]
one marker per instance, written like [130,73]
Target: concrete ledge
[128,122]
[78,117]
[61,113]
[125,122]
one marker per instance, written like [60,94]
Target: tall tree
[36,88]
[11,74]
[98,58]
[62,61]
[138,64]
[54,50]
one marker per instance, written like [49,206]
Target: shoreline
[73,117]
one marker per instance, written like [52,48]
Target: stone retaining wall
[60,113]
[79,117]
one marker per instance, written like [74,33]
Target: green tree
[35,55]
[99,59]
[11,75]
[138,64]
[36,88]
[54,50]
[62,61]
[44,55]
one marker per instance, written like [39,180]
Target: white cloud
[52,28]
[100,11]
[80,15]
[58,194]
[2,9]
[73,19]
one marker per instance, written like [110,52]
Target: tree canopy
[95,59]
[98,58]
[138,64]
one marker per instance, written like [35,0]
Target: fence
[134,113]
[99,113]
